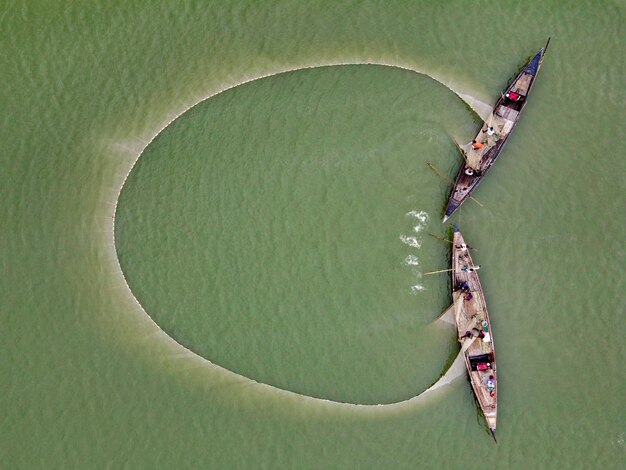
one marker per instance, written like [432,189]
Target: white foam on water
[422,216]
[412,260]
[411,241]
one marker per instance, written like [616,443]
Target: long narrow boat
[494,133]
[474,328]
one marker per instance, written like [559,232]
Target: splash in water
[411,260]
[411,241]
[416,288]
[421,217]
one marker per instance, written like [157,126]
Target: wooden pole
[449,241]
[440,238]
[438,173]
[461,151]
[472,198]
[437,272]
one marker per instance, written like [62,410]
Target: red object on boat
[482,366]
[514,96]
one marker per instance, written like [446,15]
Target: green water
[279,230]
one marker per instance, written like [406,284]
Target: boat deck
[522,84]
[503,118]
[471,315]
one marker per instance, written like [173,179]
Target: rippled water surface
[265,268]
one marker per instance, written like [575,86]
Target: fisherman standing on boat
[470,269]
[477,145]
[491,385]
[492,136]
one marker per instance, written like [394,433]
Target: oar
[470,270]
[461,151]
[449,241]
[437,272]
[440,238]
[439,174]
[449,180]
[473,199]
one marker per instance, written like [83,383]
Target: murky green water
[279,230]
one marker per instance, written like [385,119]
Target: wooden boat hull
[474,329]
[502,121]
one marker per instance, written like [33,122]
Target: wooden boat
[474,328]
[494,133]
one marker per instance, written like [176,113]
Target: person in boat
[490,131]
[470,269]
[477,145]
[491,385]
[463,287]
[468,296]
[468,334]
[492,135]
